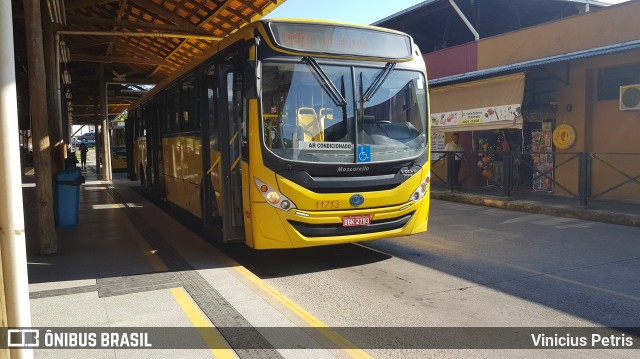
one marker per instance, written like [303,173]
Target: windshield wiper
[382,75]
[328,85]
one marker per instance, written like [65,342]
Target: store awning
[487,104]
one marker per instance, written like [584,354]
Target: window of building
[610,80]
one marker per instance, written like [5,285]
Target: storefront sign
[485,115]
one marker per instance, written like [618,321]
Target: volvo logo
[356,200]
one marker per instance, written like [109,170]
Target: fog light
[285,204]
[273,197]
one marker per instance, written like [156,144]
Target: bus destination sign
[341,40]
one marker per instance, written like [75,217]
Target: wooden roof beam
[116,59]
[253,8]
[216,12]
[82,20]
[136,50]
[121,10]
[152,8]
[239,14]
[84,44]
[91,114]
[82,80]
[71,5]
[140,34]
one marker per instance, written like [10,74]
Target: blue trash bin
[67,196]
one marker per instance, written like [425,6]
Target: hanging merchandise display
[543,162]
[492,149]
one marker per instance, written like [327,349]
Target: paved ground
[475,267]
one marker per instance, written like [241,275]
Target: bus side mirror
[252,76]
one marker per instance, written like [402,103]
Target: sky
[355,11]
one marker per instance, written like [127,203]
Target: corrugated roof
[428,2]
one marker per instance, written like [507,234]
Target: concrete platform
[129,264]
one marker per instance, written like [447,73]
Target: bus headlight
[422,189]
[273,197]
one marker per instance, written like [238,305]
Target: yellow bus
[118,145]
[292,133]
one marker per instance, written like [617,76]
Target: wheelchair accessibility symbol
[364,153]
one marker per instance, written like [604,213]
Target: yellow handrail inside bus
[214,165]
[233,138]
[235,163]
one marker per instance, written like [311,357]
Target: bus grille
[336,229]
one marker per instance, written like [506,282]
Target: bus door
[155,171]
[231,110]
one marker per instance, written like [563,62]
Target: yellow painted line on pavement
[215,341]
[314,322]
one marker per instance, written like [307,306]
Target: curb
[596,215]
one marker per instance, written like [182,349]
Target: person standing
[83,155]
[454,146]
[71,160]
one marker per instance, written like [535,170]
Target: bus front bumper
[297,228]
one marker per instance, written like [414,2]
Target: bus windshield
[311,113]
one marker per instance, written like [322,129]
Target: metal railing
[582,176]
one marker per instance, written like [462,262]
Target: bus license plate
[352,221]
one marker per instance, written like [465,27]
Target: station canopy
[488,104]
[134,43]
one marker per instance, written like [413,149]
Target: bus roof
[247,33]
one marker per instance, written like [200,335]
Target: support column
[40,129]
[14,289]
[52,66]
[96,125]
[104,113]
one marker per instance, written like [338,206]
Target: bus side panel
[171,156]
[192,194]
[216,182]
[183,172]
[118,162]
[139,156]
[246,204]
[267,226]
[192,173]
[422,212]
[269,231]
